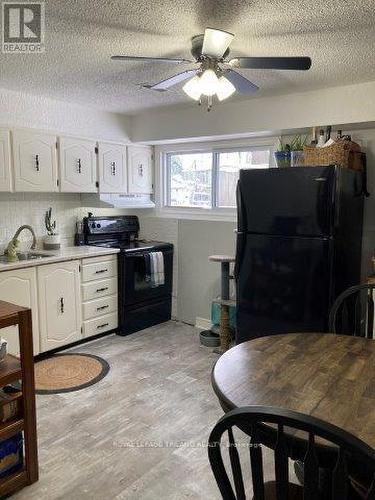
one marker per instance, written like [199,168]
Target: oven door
[136,282]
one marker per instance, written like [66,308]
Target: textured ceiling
[81,35]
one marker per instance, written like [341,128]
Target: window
[208,179]
[189,180]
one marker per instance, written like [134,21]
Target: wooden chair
[345,449]
[353,312]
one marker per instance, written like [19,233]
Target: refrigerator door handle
[241,225]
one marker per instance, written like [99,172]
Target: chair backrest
[353,312]
[343,450]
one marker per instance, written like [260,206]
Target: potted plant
[282,155]
[52,240]
[296,147]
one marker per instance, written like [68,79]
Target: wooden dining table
[329,376]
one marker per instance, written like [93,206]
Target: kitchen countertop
[67,253]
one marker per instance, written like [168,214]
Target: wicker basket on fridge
[343,153]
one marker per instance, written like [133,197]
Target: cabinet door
[19,287]
[112,168]
[59,304]
[77,161]
[5,165]
[139,170]
[35,161]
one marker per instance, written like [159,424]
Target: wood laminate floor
[157,394]
[139,433]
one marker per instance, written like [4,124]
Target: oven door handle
[141,255]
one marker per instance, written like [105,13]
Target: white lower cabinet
[68,301]
[59,304]
[100,299]
[100,325]
[19,287]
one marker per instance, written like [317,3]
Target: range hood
[118,200]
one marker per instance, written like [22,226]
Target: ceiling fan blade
[216,42]
[242,84]
[151,59]
[173,80]
[298,63]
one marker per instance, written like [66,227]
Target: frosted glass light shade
[208,82]
[193,88]
[224,88]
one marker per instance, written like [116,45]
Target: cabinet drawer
[99,270]
[94,308]
[100,325]
[101,258]
[97,289]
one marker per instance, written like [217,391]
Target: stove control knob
[98,226]
[93,225]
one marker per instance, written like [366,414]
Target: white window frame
[210,213]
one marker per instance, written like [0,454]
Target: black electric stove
[142,303]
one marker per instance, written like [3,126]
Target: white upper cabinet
[5,165]
[77,162]
[139,170]
[112,168]
[35,161]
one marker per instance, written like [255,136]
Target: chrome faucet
[19,230]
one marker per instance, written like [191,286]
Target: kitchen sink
[24,256]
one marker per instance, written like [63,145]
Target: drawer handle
[101,308]
[101,271]
[103,325]
[102,289]
[37,163]
[62,305]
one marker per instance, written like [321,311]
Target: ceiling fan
[216,74]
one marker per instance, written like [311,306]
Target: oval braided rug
[68,372]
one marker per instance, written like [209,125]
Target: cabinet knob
[37,168]
[62,305]
[79,166]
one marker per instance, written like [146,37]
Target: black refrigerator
[299,245]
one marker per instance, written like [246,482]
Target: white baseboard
[203,323]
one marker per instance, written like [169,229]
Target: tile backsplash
[17,209]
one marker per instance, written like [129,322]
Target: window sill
[229,215]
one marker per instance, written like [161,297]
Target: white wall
[18,109]
[340,105]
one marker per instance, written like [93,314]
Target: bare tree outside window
[190,180]
[208,179]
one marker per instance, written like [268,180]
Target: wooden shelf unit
[13,369]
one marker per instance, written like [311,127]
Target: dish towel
[157,268]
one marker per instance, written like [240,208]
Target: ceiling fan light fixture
[208,82]
[224,88]
[193,88]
